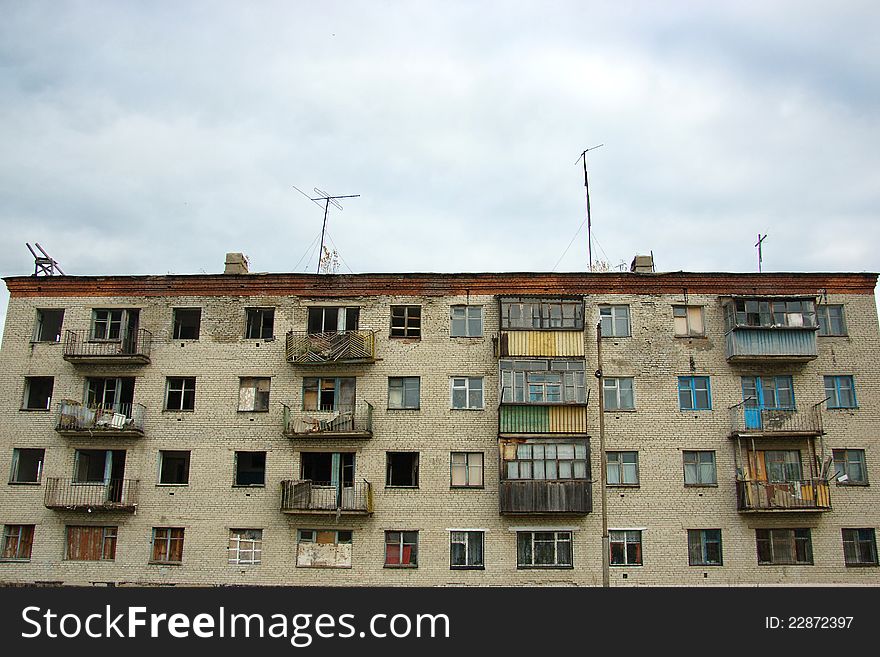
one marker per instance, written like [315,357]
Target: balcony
[769,423]
[132,349]
[116,495]
[528,496]
[805,495]
[539,343]
[124,421]
[777,344]
[345,422]
[519,419]
[334,347]
[304,496]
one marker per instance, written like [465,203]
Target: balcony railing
[345,422]
[306,496]
[776,422]
[112,495]
[527,496]
[805,495]
[74,419]
[132,348]
[332,347]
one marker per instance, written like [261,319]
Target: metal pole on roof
[583,156]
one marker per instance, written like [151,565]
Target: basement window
[402,470]
[48,327]
[187,322]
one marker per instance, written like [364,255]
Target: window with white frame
[614,321]
[618,393]
[622,468]
[688,321]
[245,546]
[543,549]
[180,393]
[467,469]
[840,391]
[107,324]
[467,392]
[403,392]
[626,547]
[699,468]
[466,549]
[543,381]
[466,321]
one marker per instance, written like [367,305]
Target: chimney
[642,264]
[236,263]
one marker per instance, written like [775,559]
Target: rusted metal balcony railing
[112,495]
[306,496]
[124,420]
[332,347]
[527,496]
[131,349]
[805,495]
[345,422]
[776,422]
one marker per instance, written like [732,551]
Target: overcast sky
[153,137]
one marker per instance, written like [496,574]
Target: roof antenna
[760,254]
[583,156]
[328,199]
[44,264]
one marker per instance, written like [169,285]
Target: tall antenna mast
[760,254]
[44,264]
[328,199]
[583,156]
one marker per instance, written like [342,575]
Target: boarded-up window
[323,548]
[328,394]
[91,543]
[688,320]
[253,394]
[167,545]
[17,542]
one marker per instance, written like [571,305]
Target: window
[543,549]
[850,467]
[841,392]
[626,547]
[260,323]
[859,547]
[704,547]
[699,468]
[245,546]
[331,319]
[784,546]
[406,322]
[618,394]
[402,469]
[97,466]
[27,466]
[167,545]
[622,468]
[111,393]
[38,393]
[467,392]
[525,313]
[106,324]
[693,393]
[465,549]
[328,394]
[253,394]
[186,323]
[543,381]
[17,542]
[831,320]
[548,461]
[323,548]
[250,468]
[614,321]
[688,321]
[324,536]
[467,469]
[180,393]
[764,313]
[173,467]
[403,392]
[48,326]
[466,321]
[401,549]
[783,465]
[768,392]
[91,543]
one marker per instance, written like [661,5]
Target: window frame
[560,537]
[833,391]
[615,538]
[689,331]
[15,466]
[699,483]
[541,314]
[468,468]
[692,388]
[519,378]
[163,453]
[409,323]
[255,321]
[616,388]
[466,319]
[524,465]
[792,539]
[177,325]
[825,321]
[110,321]
[26,396]
[703,547]
[401,543]
[413,469]
[620,467]
[857,541]
[254,547]
[862,461]
[261,396]
[469,391]
[37,335]
[403,380]
[612,319]
[172,539]
[180,385]
[467,537]
[23,535]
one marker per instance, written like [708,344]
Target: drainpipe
[606,550]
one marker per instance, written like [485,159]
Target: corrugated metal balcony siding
[541,343]
[770,344]
[542,419]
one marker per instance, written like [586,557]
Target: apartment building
[440,429]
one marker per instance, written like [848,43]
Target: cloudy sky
[153,137]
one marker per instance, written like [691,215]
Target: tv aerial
[327,200]
[44,264]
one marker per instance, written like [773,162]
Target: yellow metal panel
[568,419]
[545,343]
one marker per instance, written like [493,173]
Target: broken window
[253,394]
[402,469]
[173,467]
[406,321]
[97,466]
[859,547]
[543,381]
[626,547]
[466,321]
[688,321]
[465,549]
[548,461]
[549,549]
[167,545]
[699,468]
[260,323]
[403,392]
[187,322]
[850,465]
[401,549]
[17,542]
[693,393]
[48,326]
[38,392]
[329,394]
[116,394]
[90,543]
[467,392]
[330,319]
[622,468]
[614,321]
[250,468]
[704,547]
[831,320]
[840,391]
[784,546]
[328,468]
[467,469]
[180,393]
[618,393]
[524,313]
[765,313]
[245,546]
[27,466]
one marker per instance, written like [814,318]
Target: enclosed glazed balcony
[540,343]
[802,495]
[131,348]
[770,330]
[344,422]
[544,476]
[115,495]
[303,496]
[121,421]
[331,347]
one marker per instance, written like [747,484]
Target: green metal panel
[525,419]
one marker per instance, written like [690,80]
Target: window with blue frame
[841,392]
[693,393]
[770,392]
